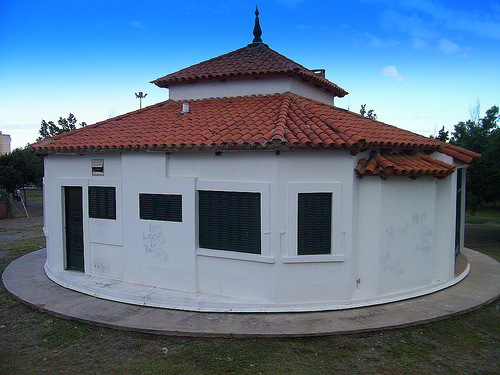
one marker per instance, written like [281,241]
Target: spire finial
[257,32]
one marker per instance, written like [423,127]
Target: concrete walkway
[26,280]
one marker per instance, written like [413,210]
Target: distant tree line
[480,135]
[21,167]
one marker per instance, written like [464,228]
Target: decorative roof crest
[257,31]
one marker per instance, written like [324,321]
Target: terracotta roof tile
[250,61]
[271,121]
[402,164]
[458,153]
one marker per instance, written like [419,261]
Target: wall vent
[97,167]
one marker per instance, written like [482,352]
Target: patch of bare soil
[19,228]
[482,235]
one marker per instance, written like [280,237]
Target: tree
[19,168]
[483,177]
[443,135]
[49,129]
[370,114]
[10,178]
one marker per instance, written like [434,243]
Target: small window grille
[97,167]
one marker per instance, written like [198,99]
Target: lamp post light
[140,96]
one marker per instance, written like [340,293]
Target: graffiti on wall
[155,243]
[413,235]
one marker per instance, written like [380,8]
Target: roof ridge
[281,122]
[348,140]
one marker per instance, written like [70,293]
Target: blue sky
[420,65]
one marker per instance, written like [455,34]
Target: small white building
[248,190]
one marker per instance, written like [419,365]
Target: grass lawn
[32,342]
[33,195]
[483,231]
[493,252]
[487,214]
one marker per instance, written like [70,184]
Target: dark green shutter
[146,206]
[314,223]
[93,211]
[102,202]
[230,221]
[163,207]
[175,207]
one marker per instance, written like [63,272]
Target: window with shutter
[314,225]
[162,207]
[102,202]
[230,221]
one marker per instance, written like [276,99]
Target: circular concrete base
[25,279]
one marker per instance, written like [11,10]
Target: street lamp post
[140,96]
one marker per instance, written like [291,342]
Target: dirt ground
[19,228]
[482,235]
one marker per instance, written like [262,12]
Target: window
[230,221]
[314,224]
[102,202]
[163,207]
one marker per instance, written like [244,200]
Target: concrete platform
[25,279]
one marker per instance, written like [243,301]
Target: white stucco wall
[249,86]
[388,237]
[406,235]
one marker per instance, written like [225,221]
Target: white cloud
[414,25]
[448,46]
[376,42]
[391,71]
[138,25]
[418,43]
[483,23]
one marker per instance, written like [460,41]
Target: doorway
[73,210]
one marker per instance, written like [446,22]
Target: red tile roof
[465,156]
[254,60]
[402,164]
[248,122]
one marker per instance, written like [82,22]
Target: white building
[4,143]
[248,190]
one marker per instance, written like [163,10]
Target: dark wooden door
[74,227]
